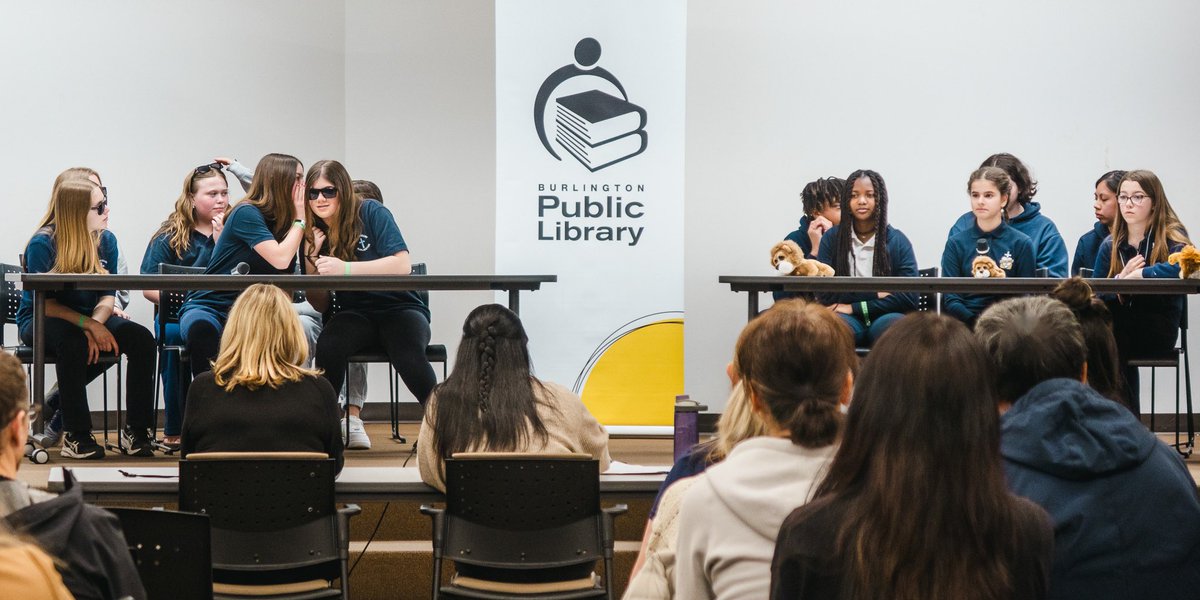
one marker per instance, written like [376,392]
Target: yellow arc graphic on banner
[636,379]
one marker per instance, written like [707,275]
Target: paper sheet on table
[617,467]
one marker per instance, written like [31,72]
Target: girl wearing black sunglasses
[353,236]
[80,325]
[263,232]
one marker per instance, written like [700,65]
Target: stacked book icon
[599,129]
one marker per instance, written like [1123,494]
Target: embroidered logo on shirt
[364,243]
[1006,261]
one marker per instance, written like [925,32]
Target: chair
[170,302]
[171,550]
[434,353]
[513,521]
[275,529]
[1171,361]
[12,302]
[925,302]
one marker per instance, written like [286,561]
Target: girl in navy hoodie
[989,235]
[1145,232]
[864,245]
[1105,206]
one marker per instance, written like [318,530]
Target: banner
[589,187]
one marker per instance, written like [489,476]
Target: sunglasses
[100,208]
[329,193]
[104,190]
[202,169]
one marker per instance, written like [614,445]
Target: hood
[761,471]
[1066,429]
[1101,230]
[52,519]
[804,223]
[1031,212]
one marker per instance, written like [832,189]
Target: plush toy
[984,266]
[787,258]
[1188,260]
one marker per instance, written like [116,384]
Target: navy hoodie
[1125,510]
[1048,246]
[904,264]
[1168,307]
[1088,246]
[1004,243]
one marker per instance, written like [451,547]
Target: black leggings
[68,345]
[403,334]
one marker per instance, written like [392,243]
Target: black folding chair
[1172,361]
[170,302]
[523,526]
[172,551]
[275,529]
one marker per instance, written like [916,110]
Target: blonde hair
[737,423]
[182,221]
[77,249]
[71,174]
[263,343]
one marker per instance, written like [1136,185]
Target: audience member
[91,556]
[258,396]
[914,505]
[796,364]
[1125,510]
[491,402]
[1103,367]
[26,572]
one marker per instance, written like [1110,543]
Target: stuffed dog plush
[984,266]
[1188,260]
[787,258]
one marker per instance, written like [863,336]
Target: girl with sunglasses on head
[186,238]
[262,232]
[863,244]
[80,325]
[990,235]
[355,236]
[1145,232]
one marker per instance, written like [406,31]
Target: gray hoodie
[730,517]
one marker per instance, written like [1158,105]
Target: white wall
[779,93]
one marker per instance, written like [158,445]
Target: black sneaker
[81,445]
[135,442]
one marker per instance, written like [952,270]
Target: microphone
[241,269]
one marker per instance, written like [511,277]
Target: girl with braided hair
[865,245]
[491,402]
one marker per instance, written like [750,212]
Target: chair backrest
[12,298]
[523,512]
[171,301]
[172,551]
[927,302]
[268,512]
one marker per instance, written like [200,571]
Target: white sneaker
[358,435]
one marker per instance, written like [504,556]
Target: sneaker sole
[96,454]
[358,444]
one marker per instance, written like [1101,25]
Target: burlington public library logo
[596,127]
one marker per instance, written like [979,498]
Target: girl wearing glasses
[990,235]
[863,244]
[262,232]
[355,236]
[80,325]
[185,238]
[1145,232]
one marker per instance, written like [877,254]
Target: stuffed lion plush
[984,266]
[1188,260]
[787,258]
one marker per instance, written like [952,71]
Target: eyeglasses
[202,169]
[1136,199]
[100,208]
[329,193]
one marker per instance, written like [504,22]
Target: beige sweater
[569,428]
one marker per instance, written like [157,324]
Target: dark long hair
[1017,172]
[491,395]
[1103,366]
[928,513]
[340,241]
[882,264]
[1112,181]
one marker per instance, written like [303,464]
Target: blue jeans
[865,336]
[200,328]
[174,394]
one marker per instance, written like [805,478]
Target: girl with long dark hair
[1104,205]
[492,402]
[863,244]
[915,505]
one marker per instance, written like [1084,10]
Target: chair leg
[1187,447]
[1152,390]
[394,404]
